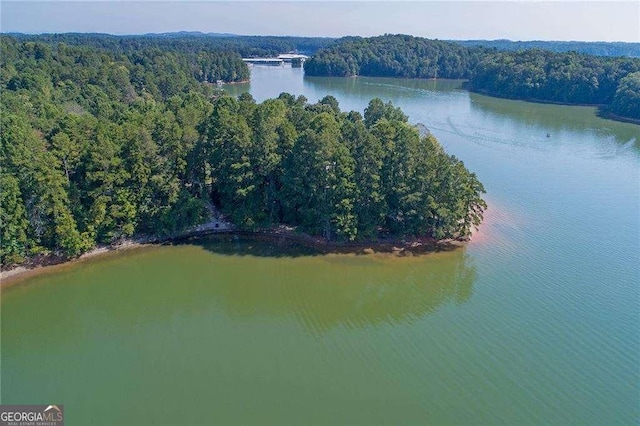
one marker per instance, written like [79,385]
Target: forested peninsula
[532,74]
[101,143]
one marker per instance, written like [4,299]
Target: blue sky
[515,20]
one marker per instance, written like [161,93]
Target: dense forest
[103,143]
[161,70]
[597,48]
[245,46]
[393,56]
[553,77]
[532,74]
[248,46]
[335,174]
[95,145]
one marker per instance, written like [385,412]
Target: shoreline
[395,247]
[531,100]
[611,116]
[43,264]
[600,112]
[280,235]
[601,109]
[235,82]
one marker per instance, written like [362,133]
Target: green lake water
[536,321]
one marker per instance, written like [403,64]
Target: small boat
[548,135]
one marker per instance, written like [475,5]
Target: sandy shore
[48,264]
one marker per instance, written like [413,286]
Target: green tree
[319,185]
[13,221]
[366,149]
[626,101]
[235,185]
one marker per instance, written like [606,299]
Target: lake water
[536,321]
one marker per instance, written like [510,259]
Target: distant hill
[597,48]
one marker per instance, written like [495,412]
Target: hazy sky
[515,20]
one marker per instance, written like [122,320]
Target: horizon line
[225,34]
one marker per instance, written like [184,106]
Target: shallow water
[534,322]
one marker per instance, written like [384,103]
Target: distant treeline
[530,74]
[272,45]
[245,46]
[99,143]
[120,69]
[597,48]
[556,77]
[393,56]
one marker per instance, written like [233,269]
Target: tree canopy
[554,77]
[97,145]
[597,48]
[335,174]
[187,42]
[392,56]
[626,101]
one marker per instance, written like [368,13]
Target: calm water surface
[537,321]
